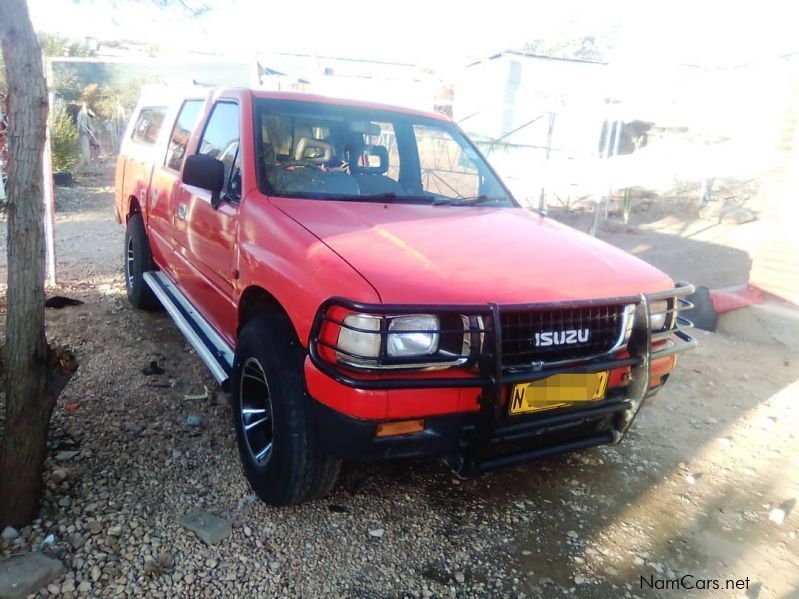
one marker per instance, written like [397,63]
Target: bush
[63,139]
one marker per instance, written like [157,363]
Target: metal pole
[613,149]
[542,200]
[47,183]
[603,151]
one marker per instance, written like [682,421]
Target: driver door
[205,237]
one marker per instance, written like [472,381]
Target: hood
[463,255]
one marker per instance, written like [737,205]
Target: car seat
[372,180]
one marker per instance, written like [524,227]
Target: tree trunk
[34,375]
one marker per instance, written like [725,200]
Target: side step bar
[209,345]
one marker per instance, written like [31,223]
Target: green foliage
[587,47]
[64,138]
[58,45]
[66,84]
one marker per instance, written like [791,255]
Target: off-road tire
[295,469]
[138,260]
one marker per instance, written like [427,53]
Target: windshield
[326,151]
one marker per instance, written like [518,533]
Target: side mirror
[206,173]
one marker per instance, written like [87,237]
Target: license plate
[557,391]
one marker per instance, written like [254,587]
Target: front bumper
[489,438]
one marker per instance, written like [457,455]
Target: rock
[578,579]
[115,531]
[736,215]
[150,565]
[9,534]
[24,575]
[94,527]
[96,573]
[729,214]
[68,586]
[193,421]
[377,533]
[638,560]
[65,456]
[85,587]
[59,475]
[166,560]
[459,577]
[211,529]
[247,500]
[134,427]
[777,516]
[48,540]
[152,369]
[64,502]
[571,534]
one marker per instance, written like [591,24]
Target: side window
[148,125]
[447,168]
[186,121]
[220,140]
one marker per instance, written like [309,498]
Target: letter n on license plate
[557,391]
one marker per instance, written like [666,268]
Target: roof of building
[523,54]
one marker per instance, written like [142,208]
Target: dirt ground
[703,489]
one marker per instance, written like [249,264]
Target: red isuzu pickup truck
[365,286]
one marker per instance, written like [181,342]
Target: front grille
[519,330]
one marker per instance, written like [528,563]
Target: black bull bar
[489,433]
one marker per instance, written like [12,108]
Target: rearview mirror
[206,173]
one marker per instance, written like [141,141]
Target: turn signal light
[400,427]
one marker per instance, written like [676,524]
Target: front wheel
[138,260]
[275,431]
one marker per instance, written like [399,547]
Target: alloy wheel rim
[255,411]
[129,264]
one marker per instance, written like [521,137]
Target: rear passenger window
[148,125]
[220,140]
[186,121]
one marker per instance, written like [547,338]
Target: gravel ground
[704,485]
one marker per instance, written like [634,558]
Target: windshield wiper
[391,196]
[443,201]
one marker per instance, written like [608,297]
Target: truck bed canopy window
[148,124]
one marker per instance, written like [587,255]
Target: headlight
[408,336]
[359,346]
[420,340]
[658,311]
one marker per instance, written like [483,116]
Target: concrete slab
[771,322]
[211,529]
[25,574]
